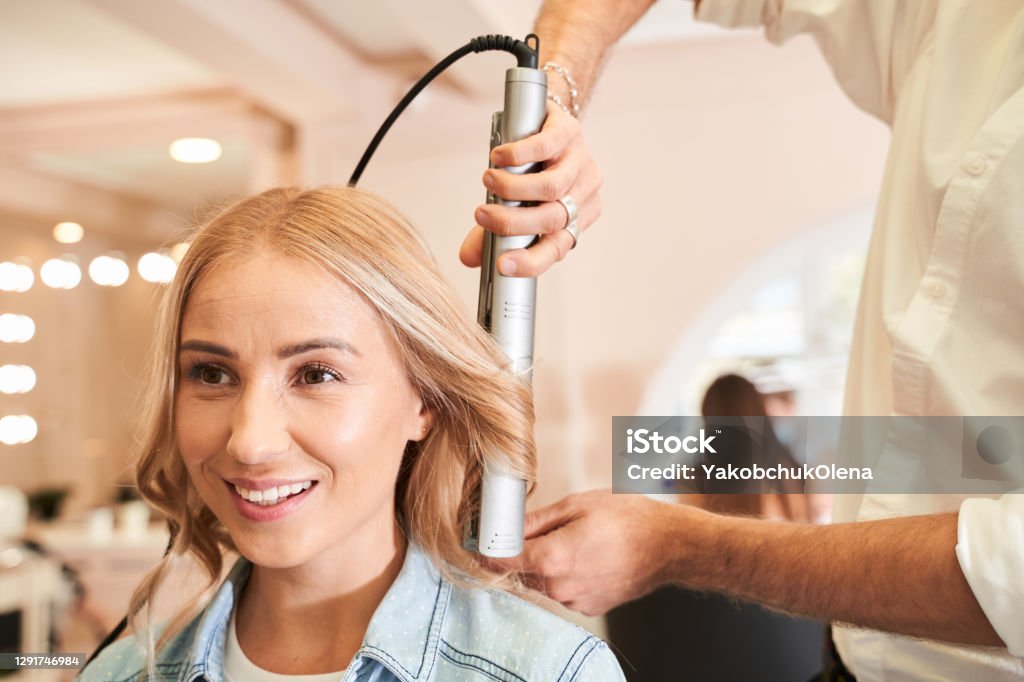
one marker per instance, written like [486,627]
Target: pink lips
[256,512]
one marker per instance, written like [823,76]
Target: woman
[322,405]
[732,395]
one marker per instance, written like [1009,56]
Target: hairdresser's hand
[568,169]
[596,550]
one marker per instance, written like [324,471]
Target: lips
[269,500]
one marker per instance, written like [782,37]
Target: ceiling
[95,90]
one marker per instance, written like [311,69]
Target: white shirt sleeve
[869,45]
[990,547]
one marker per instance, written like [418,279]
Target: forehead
[276,295]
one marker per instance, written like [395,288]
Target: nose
[259,429]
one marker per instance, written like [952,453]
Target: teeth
[272,496]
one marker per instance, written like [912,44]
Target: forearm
[578,33]
[897,575]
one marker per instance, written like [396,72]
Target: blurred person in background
[732,395]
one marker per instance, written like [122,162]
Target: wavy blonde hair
[481,412]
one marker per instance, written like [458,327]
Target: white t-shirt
[238,667]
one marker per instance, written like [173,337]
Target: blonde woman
[322,405]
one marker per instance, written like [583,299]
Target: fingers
[549,184]
[548,250]
[552,247]
[546,217]
[546,519]
[472,247]
[559,130]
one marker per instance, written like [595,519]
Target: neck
[312,618]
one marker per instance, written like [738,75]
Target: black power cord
[525,52]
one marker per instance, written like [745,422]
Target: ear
[422,422]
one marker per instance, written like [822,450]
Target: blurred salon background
[738,195]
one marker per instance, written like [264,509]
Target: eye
[207,374]
[319,374]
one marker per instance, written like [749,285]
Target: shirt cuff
[990,547]
[737,13]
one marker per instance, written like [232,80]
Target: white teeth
[272,496]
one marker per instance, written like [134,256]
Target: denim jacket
[425,628]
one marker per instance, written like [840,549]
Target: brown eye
[318,375]
[211,375]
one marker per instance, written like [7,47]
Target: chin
[271,552]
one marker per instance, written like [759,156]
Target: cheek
[363,438]
[196,430]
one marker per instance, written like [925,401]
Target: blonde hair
[481,412]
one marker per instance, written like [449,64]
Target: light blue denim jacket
[424,629]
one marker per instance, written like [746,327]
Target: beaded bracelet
[558,100]
[574,105]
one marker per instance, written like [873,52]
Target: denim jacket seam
[470,666]
[481,658]
[442,603]
[439,603]
[596,645]
[565,669]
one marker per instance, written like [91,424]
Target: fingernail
[488,178]
[481,217]
[508,267]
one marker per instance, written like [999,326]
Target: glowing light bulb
[108,271]
[68,233]
[60,273]
[195,150]
[156,267]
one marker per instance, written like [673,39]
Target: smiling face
[293,409]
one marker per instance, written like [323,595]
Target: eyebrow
[284,352]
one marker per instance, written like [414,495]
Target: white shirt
[238,667]
[940,323]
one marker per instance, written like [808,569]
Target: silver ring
[572,214]
[573,229]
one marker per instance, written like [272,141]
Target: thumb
[472,247]
[547,519]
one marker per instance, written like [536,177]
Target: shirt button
[976,166]
[936,289]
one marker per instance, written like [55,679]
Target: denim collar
[403,634]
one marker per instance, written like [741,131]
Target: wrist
[563,88]
[689,536]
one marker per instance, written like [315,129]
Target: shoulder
[121,660]
[125,659]
[506,637]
